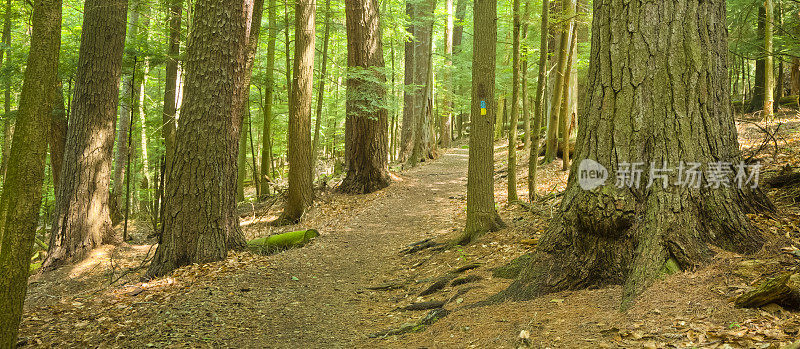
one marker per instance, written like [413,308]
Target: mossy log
[280,242]
[783,290]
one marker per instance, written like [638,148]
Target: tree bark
[446,118]
[526,115]
[81,219]
[566,113]
[558,89]
[266,147]
[538,112]
[299,139]
[625,234]
[8,121]
[757,91]
[482,215]
[58,135]
[200,220]
[367,118]
[769,70]
[169,113]
[423,147]
[321,90]
[407,134]
[22,190]
[515,81]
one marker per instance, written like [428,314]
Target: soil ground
[322,295]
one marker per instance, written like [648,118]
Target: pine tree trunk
[266,147]
[626,234]
[171,82]
[423,148]
[81,219]
[127,104]
[769,80]
[407,134]
[482,215]
[794,76]
[566,113]
[458,35]
[561,79]
[200,220]
[366,122]
[22,190]
[514,105]
[299,140]
[526,115]
[445,136]
[58,135]
[252,31]
[538,112]
[757,92]
[321,90]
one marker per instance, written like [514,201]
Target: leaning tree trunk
[482,215]
[366,121]
[626,233]
[81,219]
[200,224]
[299,140]
[22,191]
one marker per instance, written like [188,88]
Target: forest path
[315,296]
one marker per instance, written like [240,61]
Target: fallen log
[280,242]
[783,290]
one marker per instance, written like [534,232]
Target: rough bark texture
[538,110]
[266,147]
[482,216]
[299,139]
[658,83]
[81,219]
[22,191]
[171,80]
[367,119]
[200,224]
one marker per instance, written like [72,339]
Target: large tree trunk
[366,122]
[626,233]
[81,219]
[482,215]
[200,223]
[299,139]
[266,147]
[538,112]
[22,191]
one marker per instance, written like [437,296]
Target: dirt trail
[315,296]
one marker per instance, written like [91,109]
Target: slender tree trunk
[445,135]
[255,8]
[81,219]
[299,139]
[58,135]
[127,104]
[458,34]
[625,233]
[407,134]
[423,32]
[241,162]
[482,215]
[266,147]
[8,121]
[140,110]
[757,99]
[769,80]
[515,80]
[526,115]
[538,112]
[171,83]
[558,90]
[22,191]
[566,113]
[321,93]
[287,23]
[200,224]
[366,123]
[794,76]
